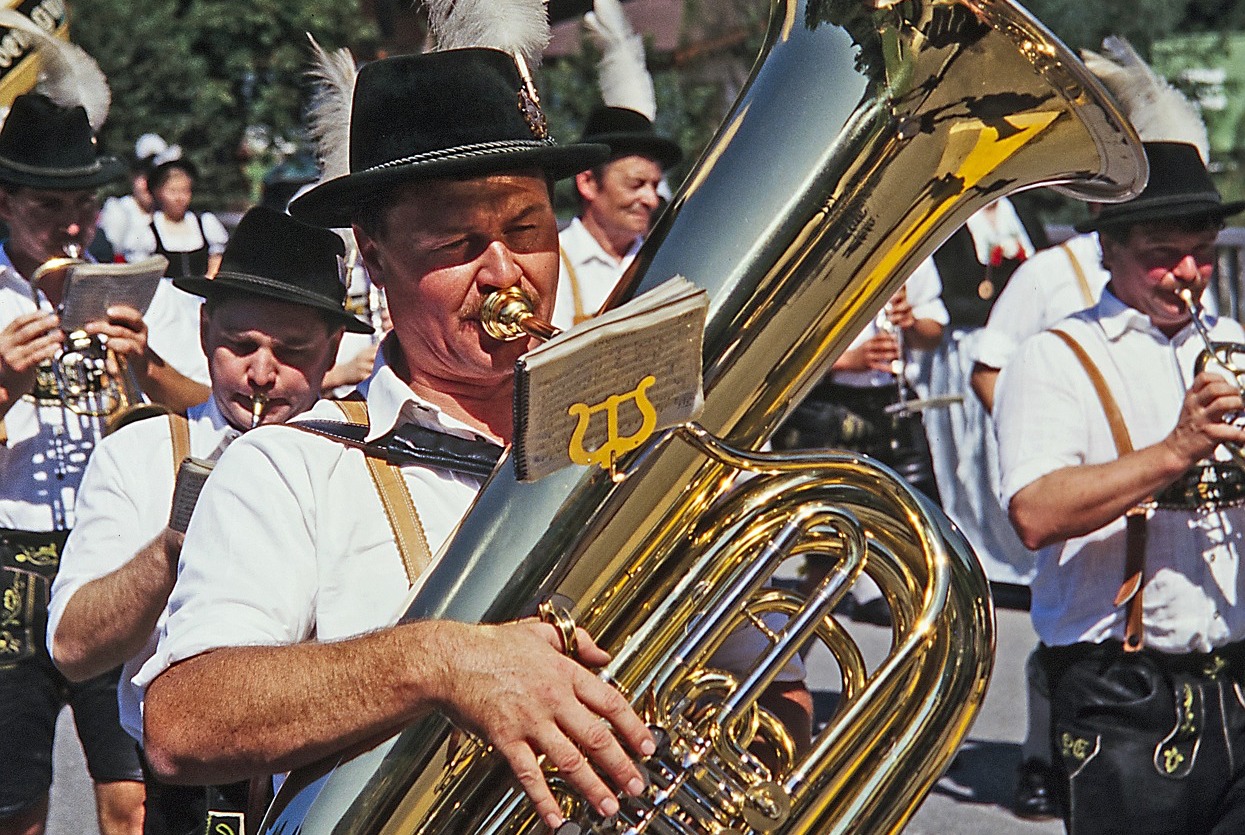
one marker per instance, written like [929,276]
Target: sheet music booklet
[191,475]
[90,289]
[602,387]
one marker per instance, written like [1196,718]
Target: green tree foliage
[225,80]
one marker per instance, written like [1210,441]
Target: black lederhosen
[190,264]
[185,810]
[835,416]
[1150,743]
[32,690]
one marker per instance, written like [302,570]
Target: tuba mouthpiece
[507,315]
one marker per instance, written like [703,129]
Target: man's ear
[370,256]
[6,204]
[586,185]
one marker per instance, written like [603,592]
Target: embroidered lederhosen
[28,565]
[188,264]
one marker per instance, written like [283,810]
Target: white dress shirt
[925,297]
[314,557]
[596,272]
[289,540]
[124,501]
[1049,417]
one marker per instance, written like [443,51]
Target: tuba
[867,132]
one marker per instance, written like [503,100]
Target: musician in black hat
[1112,465]
[270,327]
[619,197]
[449,198]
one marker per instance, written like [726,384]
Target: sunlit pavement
[971,798]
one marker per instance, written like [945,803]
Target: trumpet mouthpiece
[1187,296]
[258,401]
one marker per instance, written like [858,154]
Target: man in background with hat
[618,198]
[270,327]
[1111,465]
[49,173]
[449,197]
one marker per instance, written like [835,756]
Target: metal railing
[1229,265]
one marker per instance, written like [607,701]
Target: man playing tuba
[277,649]
[1107,443]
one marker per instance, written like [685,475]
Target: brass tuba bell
[867,132]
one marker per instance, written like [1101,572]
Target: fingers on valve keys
[586,730]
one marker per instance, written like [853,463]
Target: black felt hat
[629,132]
[270,254]
[1179,187]
[457,113]
[45,146]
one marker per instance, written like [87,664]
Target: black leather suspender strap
[412,445]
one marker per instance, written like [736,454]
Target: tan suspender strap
[1135,518]
[1115,419]
[355,410]
[179,432]
[577,298]
[408,531]
[1079,271]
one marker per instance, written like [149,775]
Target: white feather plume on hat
[520,27]
[1158,111]
[622,73]
[67,74]
[328,121]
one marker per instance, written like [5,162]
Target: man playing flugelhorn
[50,171]
[1108,450]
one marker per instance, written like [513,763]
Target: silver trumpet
[1219,354]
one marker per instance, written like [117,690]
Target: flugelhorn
[259,402]
[89,378]
[1216,353]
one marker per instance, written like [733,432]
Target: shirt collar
[1117,319]
[9,275]
[211,427]
[581,241]
[391,403]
